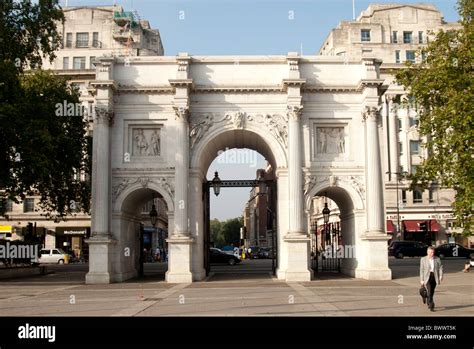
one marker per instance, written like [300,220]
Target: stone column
[393,137]
[181,172]
[372,259]
[297,240]
[99,244]
[295,170]
[180,242]
[375,206]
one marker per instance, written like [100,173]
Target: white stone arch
[352,216]
[353,193]
[205,151]
[136,187]
[251,136]
[126,224]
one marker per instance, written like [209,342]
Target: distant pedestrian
[431,275]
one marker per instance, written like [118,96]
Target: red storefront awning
[390,227]
[414,225]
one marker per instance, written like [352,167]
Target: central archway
[203,154]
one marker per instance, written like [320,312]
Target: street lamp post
[216,184]
[326,213]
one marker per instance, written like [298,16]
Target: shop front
[424,231]
[71,240]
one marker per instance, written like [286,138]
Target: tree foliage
[226,232]
[442,87]
[43,143]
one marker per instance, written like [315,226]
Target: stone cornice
[374,83]
[329,88]
[237,89]
[122,89]
[104,84]
[293,83]
[181,83]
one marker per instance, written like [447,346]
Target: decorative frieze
[276,124]
[122,183]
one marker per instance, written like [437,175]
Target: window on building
[407,37]
[79,63]
[82,39]
[417,196]
[414,147]
[413,169]
[404,196]
[69,40]
[91,62]
[95,39]
[400,148]
[397,56]
[414,121]
[431,195]
[395,37]
[65,62]
[29,205]
[365,35]
[8,205]
[400,124]
[410,56]
[420,37]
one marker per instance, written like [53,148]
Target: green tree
[43,143]
[231,231]
[442,88]
[216,232]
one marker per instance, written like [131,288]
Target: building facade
[393,33]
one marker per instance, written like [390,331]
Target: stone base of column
[199,275]
[298,257]
[179,260]
[374,255]
[100,260]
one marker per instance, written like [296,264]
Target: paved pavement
[247,289]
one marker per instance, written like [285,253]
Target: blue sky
[245,27]
[223,27]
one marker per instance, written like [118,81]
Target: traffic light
[424,226]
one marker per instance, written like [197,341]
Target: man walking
[431,274]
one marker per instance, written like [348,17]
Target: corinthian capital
[182,112]
[104,115]
[294,112]
[370,113]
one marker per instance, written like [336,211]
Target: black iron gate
[207,228]
[325,247]
[206,211]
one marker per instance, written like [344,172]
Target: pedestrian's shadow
[453,307]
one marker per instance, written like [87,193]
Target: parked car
[265,253]
[400,249]
[254,250]
[454,250]
[53,256]
[218,256]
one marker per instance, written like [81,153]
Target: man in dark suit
[431,274]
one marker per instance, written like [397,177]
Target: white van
[53,256]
